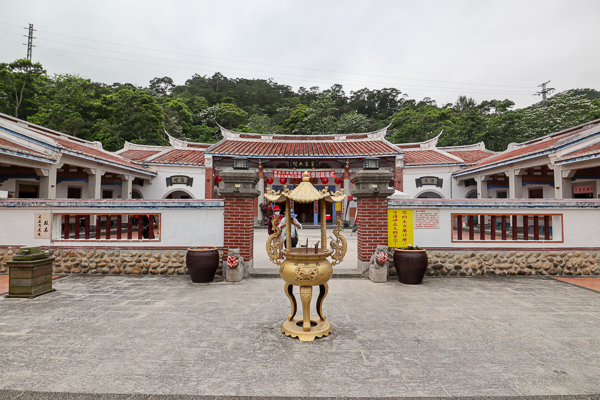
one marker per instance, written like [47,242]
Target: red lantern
[338,180]
[218,179]
[325,181]
[269,180]
[283,180]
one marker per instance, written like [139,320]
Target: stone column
[562,182]
[515,184]
[482,189]
[47,182]
[371,193]
[94,182]
[239,193]
[126,186]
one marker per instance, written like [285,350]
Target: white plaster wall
[62,189]
[581,229]
[412,173]
[548,190]
[158,189]
[11,184]
[178,227]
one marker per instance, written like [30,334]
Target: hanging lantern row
[283,181]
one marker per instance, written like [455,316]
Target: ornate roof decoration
[305,192]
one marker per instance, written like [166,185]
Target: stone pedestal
[30,278]
[233,274]
[379,275]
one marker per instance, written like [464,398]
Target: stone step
[274,273]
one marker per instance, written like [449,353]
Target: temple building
[36,162]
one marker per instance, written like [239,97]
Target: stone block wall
[502,263]
[117,262]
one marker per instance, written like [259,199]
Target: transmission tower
[544,91]
[30,41]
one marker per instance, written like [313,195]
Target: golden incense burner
[306,267]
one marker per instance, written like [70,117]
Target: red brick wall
[239,226]
[209,185]
[399,179]
[372,226]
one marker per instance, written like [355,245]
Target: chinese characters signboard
[427,219]
[298,174]
[42,226]
[400,228]
[304,163]
[429,180]
[583,189]
[180,180]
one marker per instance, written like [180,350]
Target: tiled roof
[427,157]
[198,145]
[72,144]
[471,157]
[9,145]
[179,157]
[138,155]
[303,148]
[589,150]
[523,151]
[81,148]
[535,146]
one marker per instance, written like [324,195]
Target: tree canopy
[120,112]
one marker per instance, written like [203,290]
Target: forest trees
[116,113]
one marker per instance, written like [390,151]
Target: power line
[263,64]
[337,80]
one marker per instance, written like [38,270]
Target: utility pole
[30,38]
[544,91]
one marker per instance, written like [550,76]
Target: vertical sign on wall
[400,228]
[42,226]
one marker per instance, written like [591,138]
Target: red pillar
[239,226]
[399,179]
[372,225]
[371,193]
[209,184]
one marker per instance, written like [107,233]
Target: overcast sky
[437,49]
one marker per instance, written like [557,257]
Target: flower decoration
[382,257]
[232,262]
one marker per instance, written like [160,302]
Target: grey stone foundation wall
[473,263]
[117,262]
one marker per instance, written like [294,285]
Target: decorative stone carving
[233,267]
[378,267]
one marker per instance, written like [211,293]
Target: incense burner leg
[306,296]
[289,291]
[323,290]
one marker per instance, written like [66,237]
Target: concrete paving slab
[167,338]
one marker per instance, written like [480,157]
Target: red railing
[109,226]
[505,227]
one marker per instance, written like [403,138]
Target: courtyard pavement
[163,337]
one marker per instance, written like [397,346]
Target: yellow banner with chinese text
[400,228]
